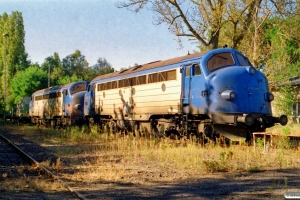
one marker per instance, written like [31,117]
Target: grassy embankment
[114,155]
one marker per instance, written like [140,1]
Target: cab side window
[243,60]
[196,70]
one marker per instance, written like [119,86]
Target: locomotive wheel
[194,137]
[208,131]
[249,137]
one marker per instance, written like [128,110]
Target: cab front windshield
[226,59]
[78,88]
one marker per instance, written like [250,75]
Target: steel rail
[80,196]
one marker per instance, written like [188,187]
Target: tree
[53,66]
[204,21]
[102,67]
[67,79]
[200,20]
[26,82]
[284,38]
[283,35]
[254,43]
[75,65]
[12,49]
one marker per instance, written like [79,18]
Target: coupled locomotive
[21,110]
[59,105]
[210,93]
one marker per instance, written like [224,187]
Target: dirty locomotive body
[59,105]
[21,110]
[206,94]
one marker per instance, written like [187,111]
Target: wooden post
[254,139]
[265,140]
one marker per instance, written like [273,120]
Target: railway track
[22,176]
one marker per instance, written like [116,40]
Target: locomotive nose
[241,90]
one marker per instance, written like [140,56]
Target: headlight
[78,107]
[269,97]
[251,70]
[232,95]
[228,95]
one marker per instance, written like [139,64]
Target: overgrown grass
[289,129]
[108,156]
[180,154]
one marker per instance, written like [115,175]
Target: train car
[59,105]
[21,110]
[210,93]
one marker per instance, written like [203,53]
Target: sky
[95,27]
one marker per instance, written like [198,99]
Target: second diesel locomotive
[212,93]
[59,105]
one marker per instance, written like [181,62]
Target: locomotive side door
[198,93]
[185,87]
[89,101]
[65,102]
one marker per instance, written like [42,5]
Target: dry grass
[30,183]
[141,160]
[157,164]
[113,157]
[290,129]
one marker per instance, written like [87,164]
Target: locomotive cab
[59,105]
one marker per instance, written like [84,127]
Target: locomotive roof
[57,87]
[150,65]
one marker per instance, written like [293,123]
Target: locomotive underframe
[234,127]
[169,125]
[56,121]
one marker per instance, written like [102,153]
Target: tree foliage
[102,67]
[284,40]
[26,82]
[12,48]
[14,43]
[53,66]
[284,60]
[75,65]
[204,21]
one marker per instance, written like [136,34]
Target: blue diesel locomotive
[59,105]
[210,93]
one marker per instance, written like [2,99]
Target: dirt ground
[147,181]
